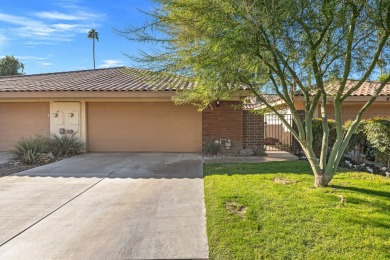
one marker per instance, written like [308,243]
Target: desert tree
[274,47]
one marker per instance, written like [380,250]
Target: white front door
[65,118]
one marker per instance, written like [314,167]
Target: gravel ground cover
[13,167]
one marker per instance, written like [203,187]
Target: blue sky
[51,36]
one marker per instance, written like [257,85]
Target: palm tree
[93,34]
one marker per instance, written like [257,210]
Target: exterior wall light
[217,103]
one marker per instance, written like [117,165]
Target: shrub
[358,143]
[378,135]
[213,147]
[65,145]
[318,133]
[30,150]
[33,150]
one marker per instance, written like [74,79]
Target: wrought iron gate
[277,137]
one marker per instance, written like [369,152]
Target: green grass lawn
[271,211]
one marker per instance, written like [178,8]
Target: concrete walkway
[106,206]
[272,156]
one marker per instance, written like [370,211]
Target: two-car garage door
[143,127]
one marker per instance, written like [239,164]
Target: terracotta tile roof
[367,89]
[113,79]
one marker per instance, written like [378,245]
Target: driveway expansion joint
[146,206]
[61,206]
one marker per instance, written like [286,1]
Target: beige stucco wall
[350,110]
[82,98]
[380,108]
[48,99]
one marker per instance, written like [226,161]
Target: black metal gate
[277,137]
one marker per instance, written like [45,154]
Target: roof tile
[112,79]
[367,89]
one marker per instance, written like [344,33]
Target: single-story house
[275,133]
[120,110]
[352,105]
[349,108]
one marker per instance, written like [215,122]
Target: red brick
[224,122]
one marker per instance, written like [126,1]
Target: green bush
[212,147]
[30,150]
[358,142]
[318,133]
[378,135]
[65,145]
[33,150]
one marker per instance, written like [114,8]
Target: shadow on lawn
[283,167]
[380,223]
[365,191]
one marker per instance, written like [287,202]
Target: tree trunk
[321,181]
[93,52]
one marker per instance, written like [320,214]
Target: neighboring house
[350,107]
[119,110]
[278,137]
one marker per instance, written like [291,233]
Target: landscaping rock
[13,167]
[247,152]
[259,151]
[50,155]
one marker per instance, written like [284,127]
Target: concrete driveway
[106,206]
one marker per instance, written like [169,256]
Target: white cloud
[68,4]
[29,27]
[18,20]
[75,16]
[44,63]
[40,43]
[27,58]
[111,63]
[30,58]
[64,26]
[54,15]
[51,27]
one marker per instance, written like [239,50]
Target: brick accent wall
[253,131]
[296,147]
[223,122]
